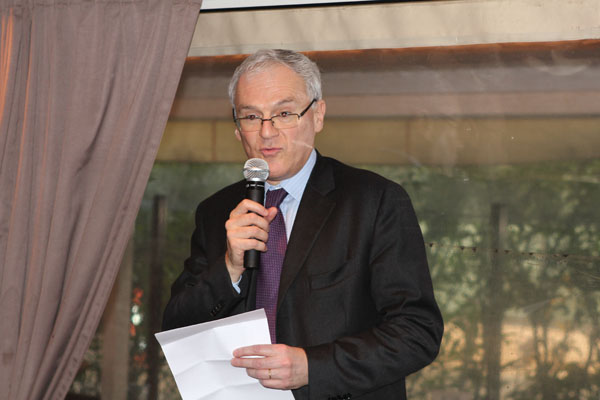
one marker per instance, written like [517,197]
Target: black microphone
[256,172]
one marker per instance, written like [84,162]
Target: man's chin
[275,176]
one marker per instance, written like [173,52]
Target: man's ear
[319,114]
[238,135]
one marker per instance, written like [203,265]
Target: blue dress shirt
[294,186]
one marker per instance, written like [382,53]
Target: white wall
[396,25]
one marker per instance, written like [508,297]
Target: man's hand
[278,367]
[246,231]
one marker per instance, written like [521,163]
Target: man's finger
[248,219]
[248,232]
[251,244]
[248,205]
[264,350]
[252,363]
[262,374]
[271,213]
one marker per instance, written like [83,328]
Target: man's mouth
[270,151]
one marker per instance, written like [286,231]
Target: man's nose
[267,129]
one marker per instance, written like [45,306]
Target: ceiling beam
[395,25]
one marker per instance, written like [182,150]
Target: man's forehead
[273,69]
[277,103]
[274,85]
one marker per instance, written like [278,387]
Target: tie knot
[275,197]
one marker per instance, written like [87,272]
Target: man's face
[270,92]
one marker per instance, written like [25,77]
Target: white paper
[199,357]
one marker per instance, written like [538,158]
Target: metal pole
[155,306]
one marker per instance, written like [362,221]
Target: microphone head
[256,169]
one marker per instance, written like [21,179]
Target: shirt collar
[296,184]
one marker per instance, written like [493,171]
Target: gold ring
[270,373]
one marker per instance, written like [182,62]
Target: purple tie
[267,282]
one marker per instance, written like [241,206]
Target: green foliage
[547,267]
[541,283]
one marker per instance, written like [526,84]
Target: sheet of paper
[199,357]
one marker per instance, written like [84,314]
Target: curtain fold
[86,87]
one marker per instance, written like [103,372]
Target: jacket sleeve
[203,291]
[409,325]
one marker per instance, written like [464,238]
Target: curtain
[85,91]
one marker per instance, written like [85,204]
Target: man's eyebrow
[247,107]
[284,102]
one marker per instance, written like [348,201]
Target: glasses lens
[285,121]
[279,122]
[250,125]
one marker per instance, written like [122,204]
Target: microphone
[256,172]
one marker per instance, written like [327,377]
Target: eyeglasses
[284,120]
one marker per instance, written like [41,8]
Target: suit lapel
[315,208]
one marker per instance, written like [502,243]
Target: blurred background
[486,112]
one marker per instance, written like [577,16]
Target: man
[354,311]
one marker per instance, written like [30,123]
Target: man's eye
[251,117]
[284,114]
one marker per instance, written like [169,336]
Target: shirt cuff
[236,285]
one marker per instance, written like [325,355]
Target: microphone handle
[255,191]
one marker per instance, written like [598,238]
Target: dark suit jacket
[355,288]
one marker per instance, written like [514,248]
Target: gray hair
[297,62]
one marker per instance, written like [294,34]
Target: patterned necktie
[267,282]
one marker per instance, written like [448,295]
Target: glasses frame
[262,120]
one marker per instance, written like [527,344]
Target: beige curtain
[85,91]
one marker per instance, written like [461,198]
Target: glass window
[499,149]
